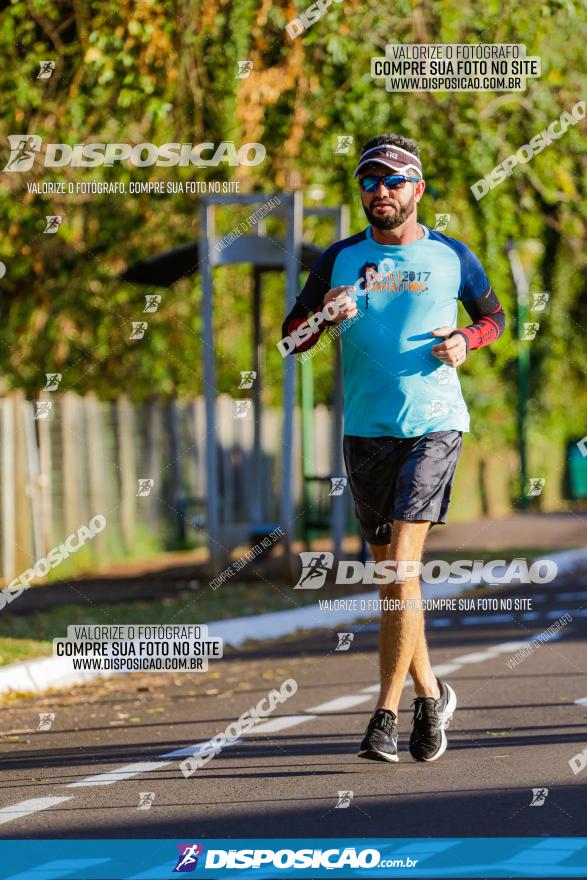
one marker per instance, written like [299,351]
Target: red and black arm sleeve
[481,303]
[488,318]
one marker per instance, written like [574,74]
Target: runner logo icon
[314,571]
[22,151]
[187,859]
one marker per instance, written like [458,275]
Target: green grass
[29,635]
[13,650]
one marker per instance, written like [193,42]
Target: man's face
[389,208]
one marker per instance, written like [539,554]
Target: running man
[404,412]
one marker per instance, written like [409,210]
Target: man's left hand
[453,351]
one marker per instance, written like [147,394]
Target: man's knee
[403,582]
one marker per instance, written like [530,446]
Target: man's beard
[393,220]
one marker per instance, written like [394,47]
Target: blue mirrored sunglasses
[370,182]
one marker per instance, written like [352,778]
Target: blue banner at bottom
[312,858]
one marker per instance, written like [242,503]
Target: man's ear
[419,187]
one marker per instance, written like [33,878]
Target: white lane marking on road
[490,653]
[126,772]
[198,747]
[341,703]
[281,723]
[477,657]
[27,808]
[374,688]
[446,668]
[505,647]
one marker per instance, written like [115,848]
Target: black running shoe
[380,741]
[431,718]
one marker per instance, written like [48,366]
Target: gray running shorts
[403,478]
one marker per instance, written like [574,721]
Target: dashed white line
[446,668]
[283,722]
[27,808]
[126,772]
[375,688]
[476,657]
[187,751]
[341,703]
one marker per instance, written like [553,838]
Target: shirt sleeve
[310,300]
[481,303]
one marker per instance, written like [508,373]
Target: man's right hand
[347,308]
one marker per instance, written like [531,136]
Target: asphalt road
[515,730]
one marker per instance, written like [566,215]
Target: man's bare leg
[425,681]
[402,643]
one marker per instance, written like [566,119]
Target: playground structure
[291,255]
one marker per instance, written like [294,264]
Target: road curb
[38,675]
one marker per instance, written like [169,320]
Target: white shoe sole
[376,755]
[445,721]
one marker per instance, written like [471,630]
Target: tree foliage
[163,72]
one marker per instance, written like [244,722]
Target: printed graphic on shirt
[393,384]
[384,277]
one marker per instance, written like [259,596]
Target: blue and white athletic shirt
[393,385]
